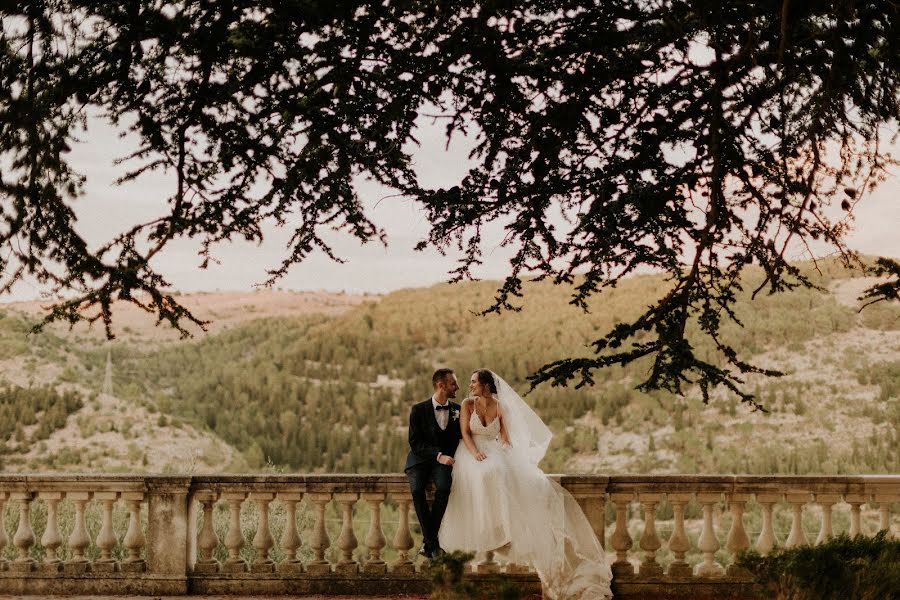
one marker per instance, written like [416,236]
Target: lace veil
[527,432]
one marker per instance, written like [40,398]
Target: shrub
[449,582]
[861,568]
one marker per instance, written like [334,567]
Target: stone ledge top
[396,483]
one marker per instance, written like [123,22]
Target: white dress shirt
[442,416]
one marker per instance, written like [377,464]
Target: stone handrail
[167,541]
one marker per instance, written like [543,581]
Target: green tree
[693,137]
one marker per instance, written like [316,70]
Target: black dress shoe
[436,553]
[424,552]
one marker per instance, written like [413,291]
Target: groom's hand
[446,460]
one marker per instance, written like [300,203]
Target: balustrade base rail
[726,588]
[723,589]
[36,584]
[250,534]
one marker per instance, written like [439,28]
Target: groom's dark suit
[426,441]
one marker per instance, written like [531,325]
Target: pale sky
[106,209]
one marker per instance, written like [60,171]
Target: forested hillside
[333,393]
[32,414]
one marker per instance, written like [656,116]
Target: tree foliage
[42,406]
[691,137]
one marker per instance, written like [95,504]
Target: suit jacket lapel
[431,419]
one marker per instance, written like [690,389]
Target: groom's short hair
[440,375]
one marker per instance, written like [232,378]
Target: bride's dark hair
[485,377]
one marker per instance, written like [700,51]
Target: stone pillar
[134,540]
[650,541]
[855,501]
[594,508]
[488,564]
[403,540]
[319,541]
[234,539]
[169,531]
[23,539]
[708,543]
[106,538]
[767,540]
[375,537]
[679,543]
[4,539]
[621,539]
[207,540]
[884,511]
[290,539]
[737,536]
[347,541]
[826,502]
[78,539]
[263,540]
[796,537]
[52,539]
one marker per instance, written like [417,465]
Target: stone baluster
[826,502]
[855,501]
[375,537]
[263,540]
[290,538]
[766,541]
[621,540]
[52,539]
[403,541]
[134,540]
[234,539]
[207,540]
[320,541]
[884,511]
[708,543]
[679,543]
[4,539]
[650,541]
[78,539]
[106,538]
[347,541]
[487,564]
[23,539]
[796,537]
[737,536]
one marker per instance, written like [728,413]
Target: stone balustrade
[327,534]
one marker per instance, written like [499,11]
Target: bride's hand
[480,456]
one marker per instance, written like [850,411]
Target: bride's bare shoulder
[498,405]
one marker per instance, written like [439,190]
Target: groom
[433,436]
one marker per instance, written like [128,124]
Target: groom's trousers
[430,518]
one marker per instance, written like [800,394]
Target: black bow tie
[442,407]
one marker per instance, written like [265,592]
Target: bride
[500,500]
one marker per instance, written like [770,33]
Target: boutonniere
[454,414]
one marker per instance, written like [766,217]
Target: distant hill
[222,310]
[52,416]
[329,390]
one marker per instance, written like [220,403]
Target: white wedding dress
[507,504]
